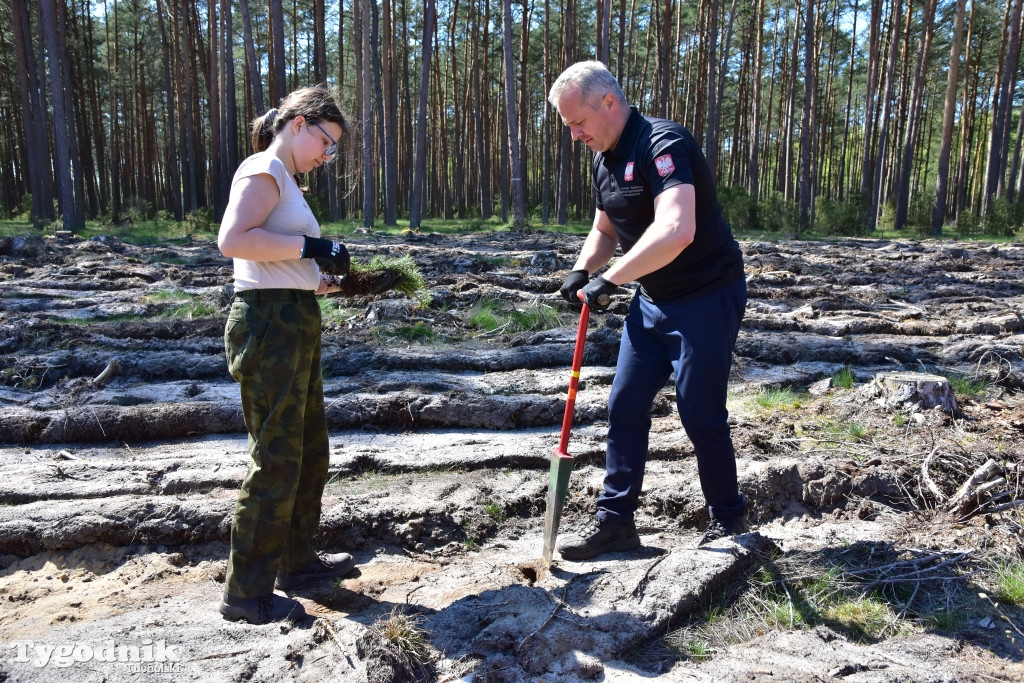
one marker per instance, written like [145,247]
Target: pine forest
[842,116]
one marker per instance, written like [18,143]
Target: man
[655,195]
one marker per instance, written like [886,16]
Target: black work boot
[724,528]
[599,536]
[323,567]
[261,610]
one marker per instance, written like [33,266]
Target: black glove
[598,293]
[332,257]
[576,281]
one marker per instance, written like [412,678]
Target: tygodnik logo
[150,656]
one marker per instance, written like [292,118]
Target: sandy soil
[123,448]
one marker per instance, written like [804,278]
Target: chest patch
[664,165]
[628,177]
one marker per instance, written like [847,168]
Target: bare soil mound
[123,447]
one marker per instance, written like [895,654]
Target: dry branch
[927,477]
[966,498]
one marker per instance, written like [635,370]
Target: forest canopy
[841,115]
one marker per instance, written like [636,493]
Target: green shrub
[1003,217]
[887,218]
[739,208]
[968,224]
[919,216]
[847,218]
[24,210]
[776,214]
[198,221]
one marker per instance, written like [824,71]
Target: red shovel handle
[574,380]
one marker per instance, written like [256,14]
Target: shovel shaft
[574,381]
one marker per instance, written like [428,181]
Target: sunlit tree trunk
[948,116]
[883,133]
[420,173]
[995,169]
[913,117]
[807,123]
[518,198]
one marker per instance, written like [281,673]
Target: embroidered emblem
[665,165]
[629,172]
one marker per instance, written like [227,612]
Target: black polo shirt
[650,156]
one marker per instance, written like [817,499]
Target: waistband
[254,296]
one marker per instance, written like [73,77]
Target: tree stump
[923,389]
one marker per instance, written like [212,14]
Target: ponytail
[263,131]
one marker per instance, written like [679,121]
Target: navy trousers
[694,340]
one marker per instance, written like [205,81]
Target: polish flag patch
[629,172]
[665,165]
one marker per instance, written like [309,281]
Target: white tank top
[291,216]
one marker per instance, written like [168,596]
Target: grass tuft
[402,637]
[491,315]
[843,378]
[494,511]
[1010,582]
[970,386]
[779,397]
[866,619]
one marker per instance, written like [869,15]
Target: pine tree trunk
[524,102]
[278,83]
[807,122]
[96,110]
[565,138]
[1002,106]
[545,197]
[173,165]
[867,164]
[366,113]
[711,121]
[516,180]
[883,133]
[913,116]
[754,116]
[32,111]
[70,205]
[420,173]
[390,123]
[948,116]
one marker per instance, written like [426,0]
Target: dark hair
[315,103]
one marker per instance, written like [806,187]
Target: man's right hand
[332,257]
[576,281]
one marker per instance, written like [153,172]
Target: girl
[272,343]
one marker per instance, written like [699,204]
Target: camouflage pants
[272,344]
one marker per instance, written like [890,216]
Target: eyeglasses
[332,149]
